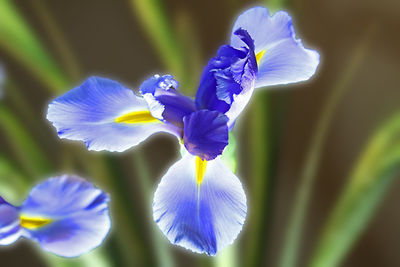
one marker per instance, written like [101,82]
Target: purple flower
[199,204]
[66,215]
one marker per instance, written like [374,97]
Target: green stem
[261,168]
[265,129]
[229,256]
[128,232]
[192,64]
[20,41]
[65,52]
[13,183]
[157,23]
[27,152]
[375,170]
[164,257]
[307,177]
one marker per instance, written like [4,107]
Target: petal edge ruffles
[284,60]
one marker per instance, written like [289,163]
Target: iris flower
[66,215]
[199,204]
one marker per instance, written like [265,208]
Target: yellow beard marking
[259,55]
[32,223]
[201,166]
[143,116]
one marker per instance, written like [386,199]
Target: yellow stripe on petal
[259,55]
[142,116]
[201,166]
[32,222]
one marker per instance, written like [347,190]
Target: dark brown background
[109,41]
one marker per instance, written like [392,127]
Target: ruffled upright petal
[66,215]
[280,56]
[203,214]
[9,223]
[103,114]
[206,133]
[164,101]
[228,80]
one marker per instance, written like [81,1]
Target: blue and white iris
[66,215]
[199,204]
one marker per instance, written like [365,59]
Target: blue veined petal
[164,101]
[281,57]
[206,133]
[228,80]
[66,215]
[9,223]
[99,112]
[202,217]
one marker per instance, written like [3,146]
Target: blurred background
[319,160]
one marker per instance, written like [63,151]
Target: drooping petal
[164,101]
[9,223]
[202,215]
[228,79]
[66,215]
[281,57]
[103,114]
[206,133]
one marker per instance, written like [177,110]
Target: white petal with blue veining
[78,214]
[88,113]
[203,218]
[285,59]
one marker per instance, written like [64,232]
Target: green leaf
[160,244]
[19,40]
[13,186]
[28,153]
[291,244]
[96,258]
[192,61]
[229,256]
[375,170]
[153,16]
[261,164]
[229,155]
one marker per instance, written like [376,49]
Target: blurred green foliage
[292,241]
[20,41]
[375,170]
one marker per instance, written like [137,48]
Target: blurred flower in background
[66,215]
